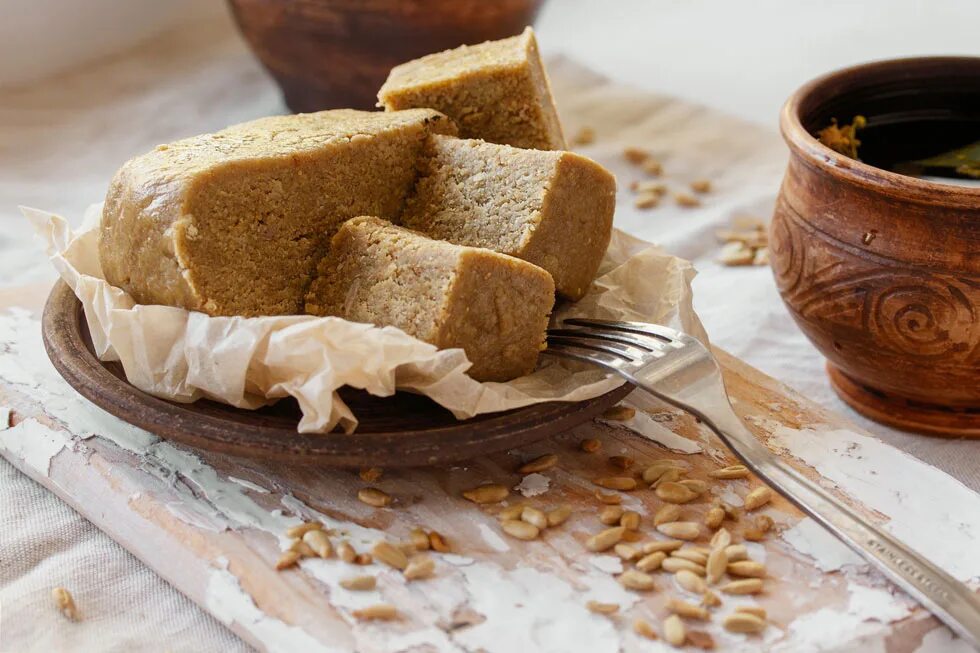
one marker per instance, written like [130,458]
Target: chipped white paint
[909,492]
[942,640]
[828,553]
[533,485]
[607,564]
[34,443]
[492,538]
[231,605]
[248,485]
[4,418]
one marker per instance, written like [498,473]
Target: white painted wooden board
[213,526]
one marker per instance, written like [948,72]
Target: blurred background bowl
[881,270]
[328,54]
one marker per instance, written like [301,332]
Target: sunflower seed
[717,563]
[652,167]
[672,475]
[685,200]
[605,539]
[753,535]
[695,485]
[302,548]
[534,517]
[558,516]
[608,498]
[757,610]
[319,543]
[511,512]
[363,559]
[656,470]
[635,155]
[419,567]
[438,542]
[730,472]
[675,492]
[346,552]
[390,555]
[621,462]
[610,515]
[626,551]
[636,580]
[674,631]
[520,529]
[674,565]
[487,494]
[710,599]
[721,539]
[370,474]
[701,186]
[287,560]
[651,561]
[686,610]
[763,523]
[379,612]
[359,583]
[700,639]
[630,520]
[590,445]
[300,530]
[668,513]
[757,498]
[697,557]
[681,530]
[690,581]
[419,539]
[745,586]
[602,608]
[662,545]
[714,517]
[736,552]
[743,622]
[374,497]
[65,603]
[747,568]
[644,629]
[619,413]
[540,464]
[616,483]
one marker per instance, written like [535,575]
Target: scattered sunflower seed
[674,631]
[346,552]
[698,557]
[747,569]
[621,462]
[695,485]
[534,517]
[626,551]
[319,543]
[744,586]
[374,497]
[558,516]
[644,629]
[687,610]
[636,580]
[584,136]
[714,517]
[630,520]
[662,545]
[493,493]
[602,608]
[736,253]
[701,186]
[690,581]
[681,530]
[757,498]
[646,200]
[716,565]
[438,542]
[610,515]
[616,483]
[656,470]
[685,200]
[390,555]
[379,612]
[608,498]
[363,559]
[736,552]
[653,167]
[590,445]
[419,567]
[605,539]
[674,565]
[419,539]
[730,472]
[700,639]
[520,529]
[619,413]
[635,155]
[300,530]
[721,539]
[743,622]
[287,560]
[710,599]
[668,513]
[757,610]
[370,474]
[673,492]
[359,583]
[65,603]
[539,464]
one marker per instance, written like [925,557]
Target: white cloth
[61,141]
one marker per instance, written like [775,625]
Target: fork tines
[609,342]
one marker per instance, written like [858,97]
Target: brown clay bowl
[880,270]
[328,54]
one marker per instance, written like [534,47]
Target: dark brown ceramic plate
[398,431]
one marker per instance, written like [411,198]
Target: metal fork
[680,370]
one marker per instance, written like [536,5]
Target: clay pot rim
[838,165]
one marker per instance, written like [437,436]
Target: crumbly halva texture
[235,222]
[495,307]
[497,91]
[551,208]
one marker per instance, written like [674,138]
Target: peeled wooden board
[217,538]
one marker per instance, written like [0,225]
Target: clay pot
[882,271]
[329,54]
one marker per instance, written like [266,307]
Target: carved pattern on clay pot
[929,316]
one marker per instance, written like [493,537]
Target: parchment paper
[249,362]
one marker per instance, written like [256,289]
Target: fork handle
[947,598]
